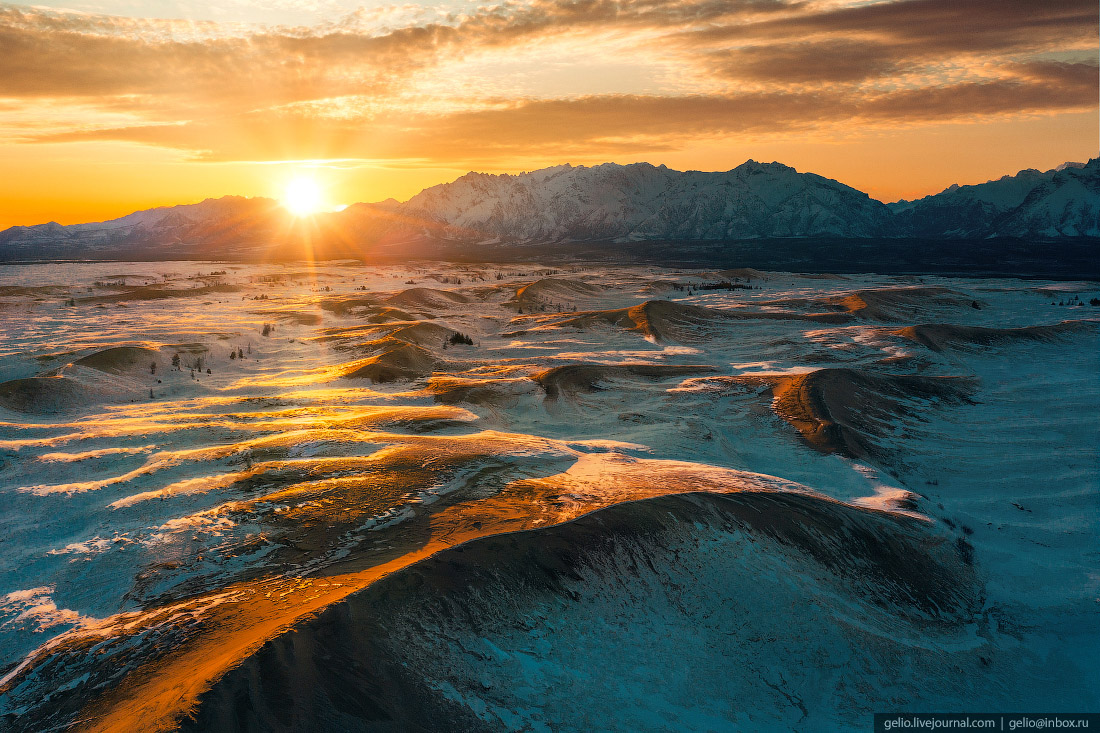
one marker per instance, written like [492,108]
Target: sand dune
[486,392]
[656,567]
[849,411]
[115,374]
[943,336]
[385,315]
[670,321]
[574,378]
[429,298]
[372,338]
[8,291]
[404,361]
[37,395]
[900,304]
[349,305]
[554,290]
[741,273]
[661,320]
[423,333]
[72,388]
[122,359]
[304,318]
[219,548]
[157,292]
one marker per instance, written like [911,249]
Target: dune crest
[121,359]
[900,304]
[660,320]
[944,336]
[649,565]
[488,391]
[550,289]
[427,298]
[571,379]
[115,374]
[404,362]
[847,411]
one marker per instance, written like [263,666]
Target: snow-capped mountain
[1062,202]
[603,203]
[231,220]
[645,202]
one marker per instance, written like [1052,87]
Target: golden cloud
[261,94]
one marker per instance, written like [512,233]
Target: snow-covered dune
[381,497]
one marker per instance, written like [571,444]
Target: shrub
[461,338]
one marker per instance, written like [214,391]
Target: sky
[112,106]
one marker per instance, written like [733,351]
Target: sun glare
[302,197]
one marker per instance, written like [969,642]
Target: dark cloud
[929,26]
[843,60]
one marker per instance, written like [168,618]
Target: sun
[302,197]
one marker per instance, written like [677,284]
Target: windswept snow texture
[510,497]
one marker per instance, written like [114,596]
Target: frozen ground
[161,527]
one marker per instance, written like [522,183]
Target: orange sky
[105,114]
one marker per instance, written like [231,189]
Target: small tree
[176,361]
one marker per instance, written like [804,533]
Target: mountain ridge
[638,202]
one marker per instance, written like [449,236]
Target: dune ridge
[660,320]
[400,362]
[900,304]
[427,298]
[945,336]
[372,660]
[850,411]
[553,289]
[117,373]
[121,359]
[571,379]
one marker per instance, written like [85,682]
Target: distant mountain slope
[603,203]
[233,221]
[642,201]
[1063,202]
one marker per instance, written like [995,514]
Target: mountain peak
[606,202]
[752,166]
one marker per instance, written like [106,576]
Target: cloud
[263,68]
[588,125]
[929,26]
[353,88]
[842,60]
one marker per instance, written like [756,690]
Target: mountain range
[605,203]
